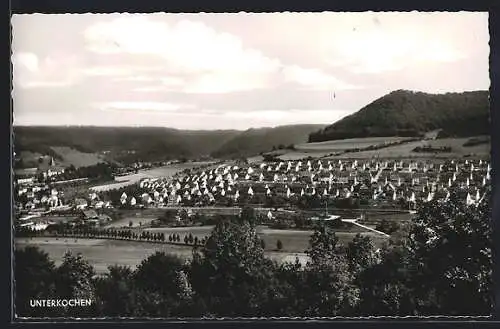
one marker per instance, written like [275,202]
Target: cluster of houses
[43,197]
[374,180]
[46,168]
[35,201]
[39,197]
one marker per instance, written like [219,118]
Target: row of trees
[86,232]
[442,267]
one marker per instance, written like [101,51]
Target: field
[372,217]
[324,149]
[166,171]
[345,144]
[297,155]
[297,241]
[29,159]
[102,253]
[76,158]
[405,150]
[255,159]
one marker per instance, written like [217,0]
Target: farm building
[81,203]
[26,181]
[90,215]
[26,172]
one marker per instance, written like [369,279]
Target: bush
[279,245]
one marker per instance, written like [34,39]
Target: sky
[235,71]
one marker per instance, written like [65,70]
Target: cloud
[292,116]
[114,71]
[437,51]
[142,106]
[188,57]
[189,69]
[134,78]
[200,59]
[226,82]
[163,84]
[53,71]
[314,79]
[149,89]
[381,50]
[28,61]
[188,47]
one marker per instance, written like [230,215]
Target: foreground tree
[157,292]
[384,286]
[443,266]
[230,272]
[331,289]
[361,254]
[74,279]
[247,215]
[288,290]
[115,291]
[34,279]
[450,246]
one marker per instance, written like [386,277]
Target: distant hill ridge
[410,113]
[158,143]
[256,140]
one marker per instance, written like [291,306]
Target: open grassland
[255,159]
[296,241]
[102,253]
[29,159]
[346,144]
[373,217]
[405,150]
[76,158]
[298,155]
[457,145]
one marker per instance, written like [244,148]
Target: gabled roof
[90,213]
[80,201]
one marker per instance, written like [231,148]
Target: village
[356,192]
[242,166]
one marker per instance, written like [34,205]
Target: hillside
[408,113]
[254,141]
[124,144]
[129,144]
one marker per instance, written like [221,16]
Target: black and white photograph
[251,165]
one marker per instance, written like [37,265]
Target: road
[354,222]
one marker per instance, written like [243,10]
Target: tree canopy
[407,113]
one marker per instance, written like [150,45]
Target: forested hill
[123,143]
[129,144]
[409,113]
[254,141]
